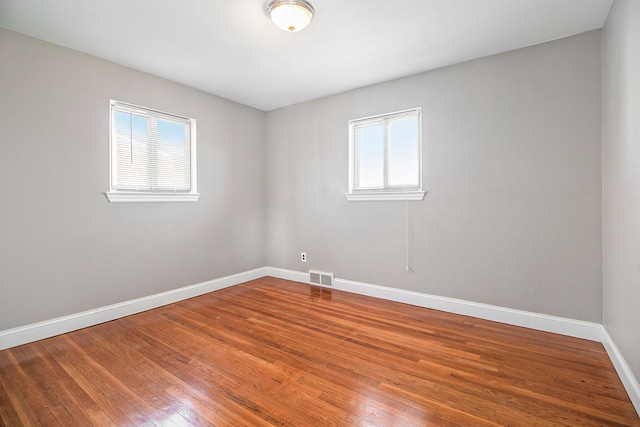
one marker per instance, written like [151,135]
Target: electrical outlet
[303,257]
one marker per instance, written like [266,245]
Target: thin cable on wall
[406,236]
[130,138]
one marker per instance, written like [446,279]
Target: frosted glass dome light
[290,15]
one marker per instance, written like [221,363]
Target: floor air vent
[320,278]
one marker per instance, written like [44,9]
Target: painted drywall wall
[512,167]
[621,178]
[63,247]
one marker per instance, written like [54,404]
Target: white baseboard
[37,331]
[294,276]
[542,322]
[622,368]
[559,325]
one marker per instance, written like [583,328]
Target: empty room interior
[377,213]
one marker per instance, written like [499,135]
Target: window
[385,157]
[153,156]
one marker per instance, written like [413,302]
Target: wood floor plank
[140,391]
[23,392]
[232,364]
[272,352]
[145,378]
[8,413]
[98,383]
[200,380]
[46,389]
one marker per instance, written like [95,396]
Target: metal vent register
[320,278]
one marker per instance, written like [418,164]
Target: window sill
[133,196]
[368,196]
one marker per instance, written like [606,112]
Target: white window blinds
[151,151]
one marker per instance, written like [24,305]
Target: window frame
[387,192]
[120,195]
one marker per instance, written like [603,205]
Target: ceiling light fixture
[290,15]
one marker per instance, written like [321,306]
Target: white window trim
[372,196]
[132,196]
[115,195]
[389,193]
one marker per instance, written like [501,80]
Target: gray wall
[621,178]
[512,166]
[63,247]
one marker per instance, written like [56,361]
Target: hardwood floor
[271,352]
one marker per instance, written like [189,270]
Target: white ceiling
[230,47]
